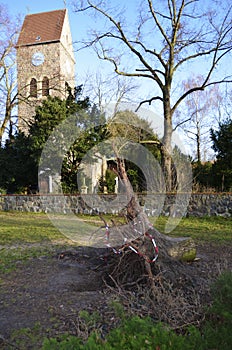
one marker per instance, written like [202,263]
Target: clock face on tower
[37,59]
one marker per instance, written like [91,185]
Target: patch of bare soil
[50,291]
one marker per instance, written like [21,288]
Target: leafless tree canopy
[165,36]
[161,41]
[198,113]
[8,93]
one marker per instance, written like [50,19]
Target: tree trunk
[198,144]
[139,230]
[166,149]
[139,238]
[6,119]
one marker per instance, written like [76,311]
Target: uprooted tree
[132,242]
[136,240]
[164,40]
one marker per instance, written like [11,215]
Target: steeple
[45,61]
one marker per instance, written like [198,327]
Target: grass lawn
[20,227]
[206,229]
[26,235]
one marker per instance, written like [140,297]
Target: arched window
[45,86]
[33,87]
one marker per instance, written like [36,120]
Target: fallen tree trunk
[140,252]
[138,232]
[139,239]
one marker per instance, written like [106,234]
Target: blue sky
[87,62]
[77,23]
[27,6]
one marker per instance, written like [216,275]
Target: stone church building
[45,65]
[45,61]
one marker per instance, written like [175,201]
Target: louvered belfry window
[45,86]
[33,87]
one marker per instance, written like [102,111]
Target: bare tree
[200,111]
[8,80]
[168,37]
[225,106]
[108,90]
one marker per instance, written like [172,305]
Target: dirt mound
[50,291]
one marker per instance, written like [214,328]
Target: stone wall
[199,204]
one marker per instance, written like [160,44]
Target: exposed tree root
[166,290]
[162,287]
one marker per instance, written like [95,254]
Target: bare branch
[149,101]
[180,32]
[161,29]
[181,123]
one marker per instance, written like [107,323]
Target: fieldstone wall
[153,205]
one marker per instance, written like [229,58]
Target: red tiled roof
[41,27]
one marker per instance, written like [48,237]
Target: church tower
[45,61]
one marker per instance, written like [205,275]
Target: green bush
[64,343]
[137,333]
[222,297]
[217,330]
[133,334]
